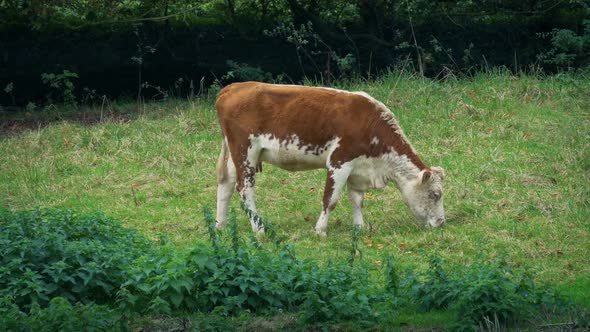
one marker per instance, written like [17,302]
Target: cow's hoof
[258,231]
[220,225]
[321,232]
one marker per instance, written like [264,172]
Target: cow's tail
[222,162]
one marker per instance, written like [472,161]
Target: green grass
[516,151]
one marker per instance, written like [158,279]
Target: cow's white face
[424,197]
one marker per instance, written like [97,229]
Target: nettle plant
[230,276]
[59,264]
[59,315]
[50,253]
[481,292]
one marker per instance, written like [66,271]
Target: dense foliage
[152,49]
[230,279]
[59,315]
[57,264]
[50,253]
[480,292]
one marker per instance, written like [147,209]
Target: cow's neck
[402,154]
[404,163]
[401,168]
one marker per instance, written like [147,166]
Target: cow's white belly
[291,154]
[292,159]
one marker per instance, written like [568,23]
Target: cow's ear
[426,175]
[438,170]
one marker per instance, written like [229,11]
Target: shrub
[61,86]
[240,72]
[433,289]
[479,292]
[59,315]
[231,278]
[568,48]
[49,253]
[494,290]
[51,259]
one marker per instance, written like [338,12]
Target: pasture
[515,149]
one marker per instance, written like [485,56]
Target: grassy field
[516,151]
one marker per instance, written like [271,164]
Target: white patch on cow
[370,173]
[292,154]
[339,175]
[248,198]
[402,167]
[247,192]
[376,172]
[374,140]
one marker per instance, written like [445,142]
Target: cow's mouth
[434,223]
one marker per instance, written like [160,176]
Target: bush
[51,259]
[479,292]
[494,290]
[49,253]
[433,289]
[233,278]
[59,315]
[241,72]
[61,87]
[569,49]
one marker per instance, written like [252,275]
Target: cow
[352,135]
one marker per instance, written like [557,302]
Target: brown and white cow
[355,137]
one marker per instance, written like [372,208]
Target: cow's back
[315,115]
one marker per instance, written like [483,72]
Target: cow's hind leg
[246,180]
[226,185]
[334,183]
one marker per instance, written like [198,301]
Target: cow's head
[424,196]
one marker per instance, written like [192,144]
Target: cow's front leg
[334,183]
[356,200]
